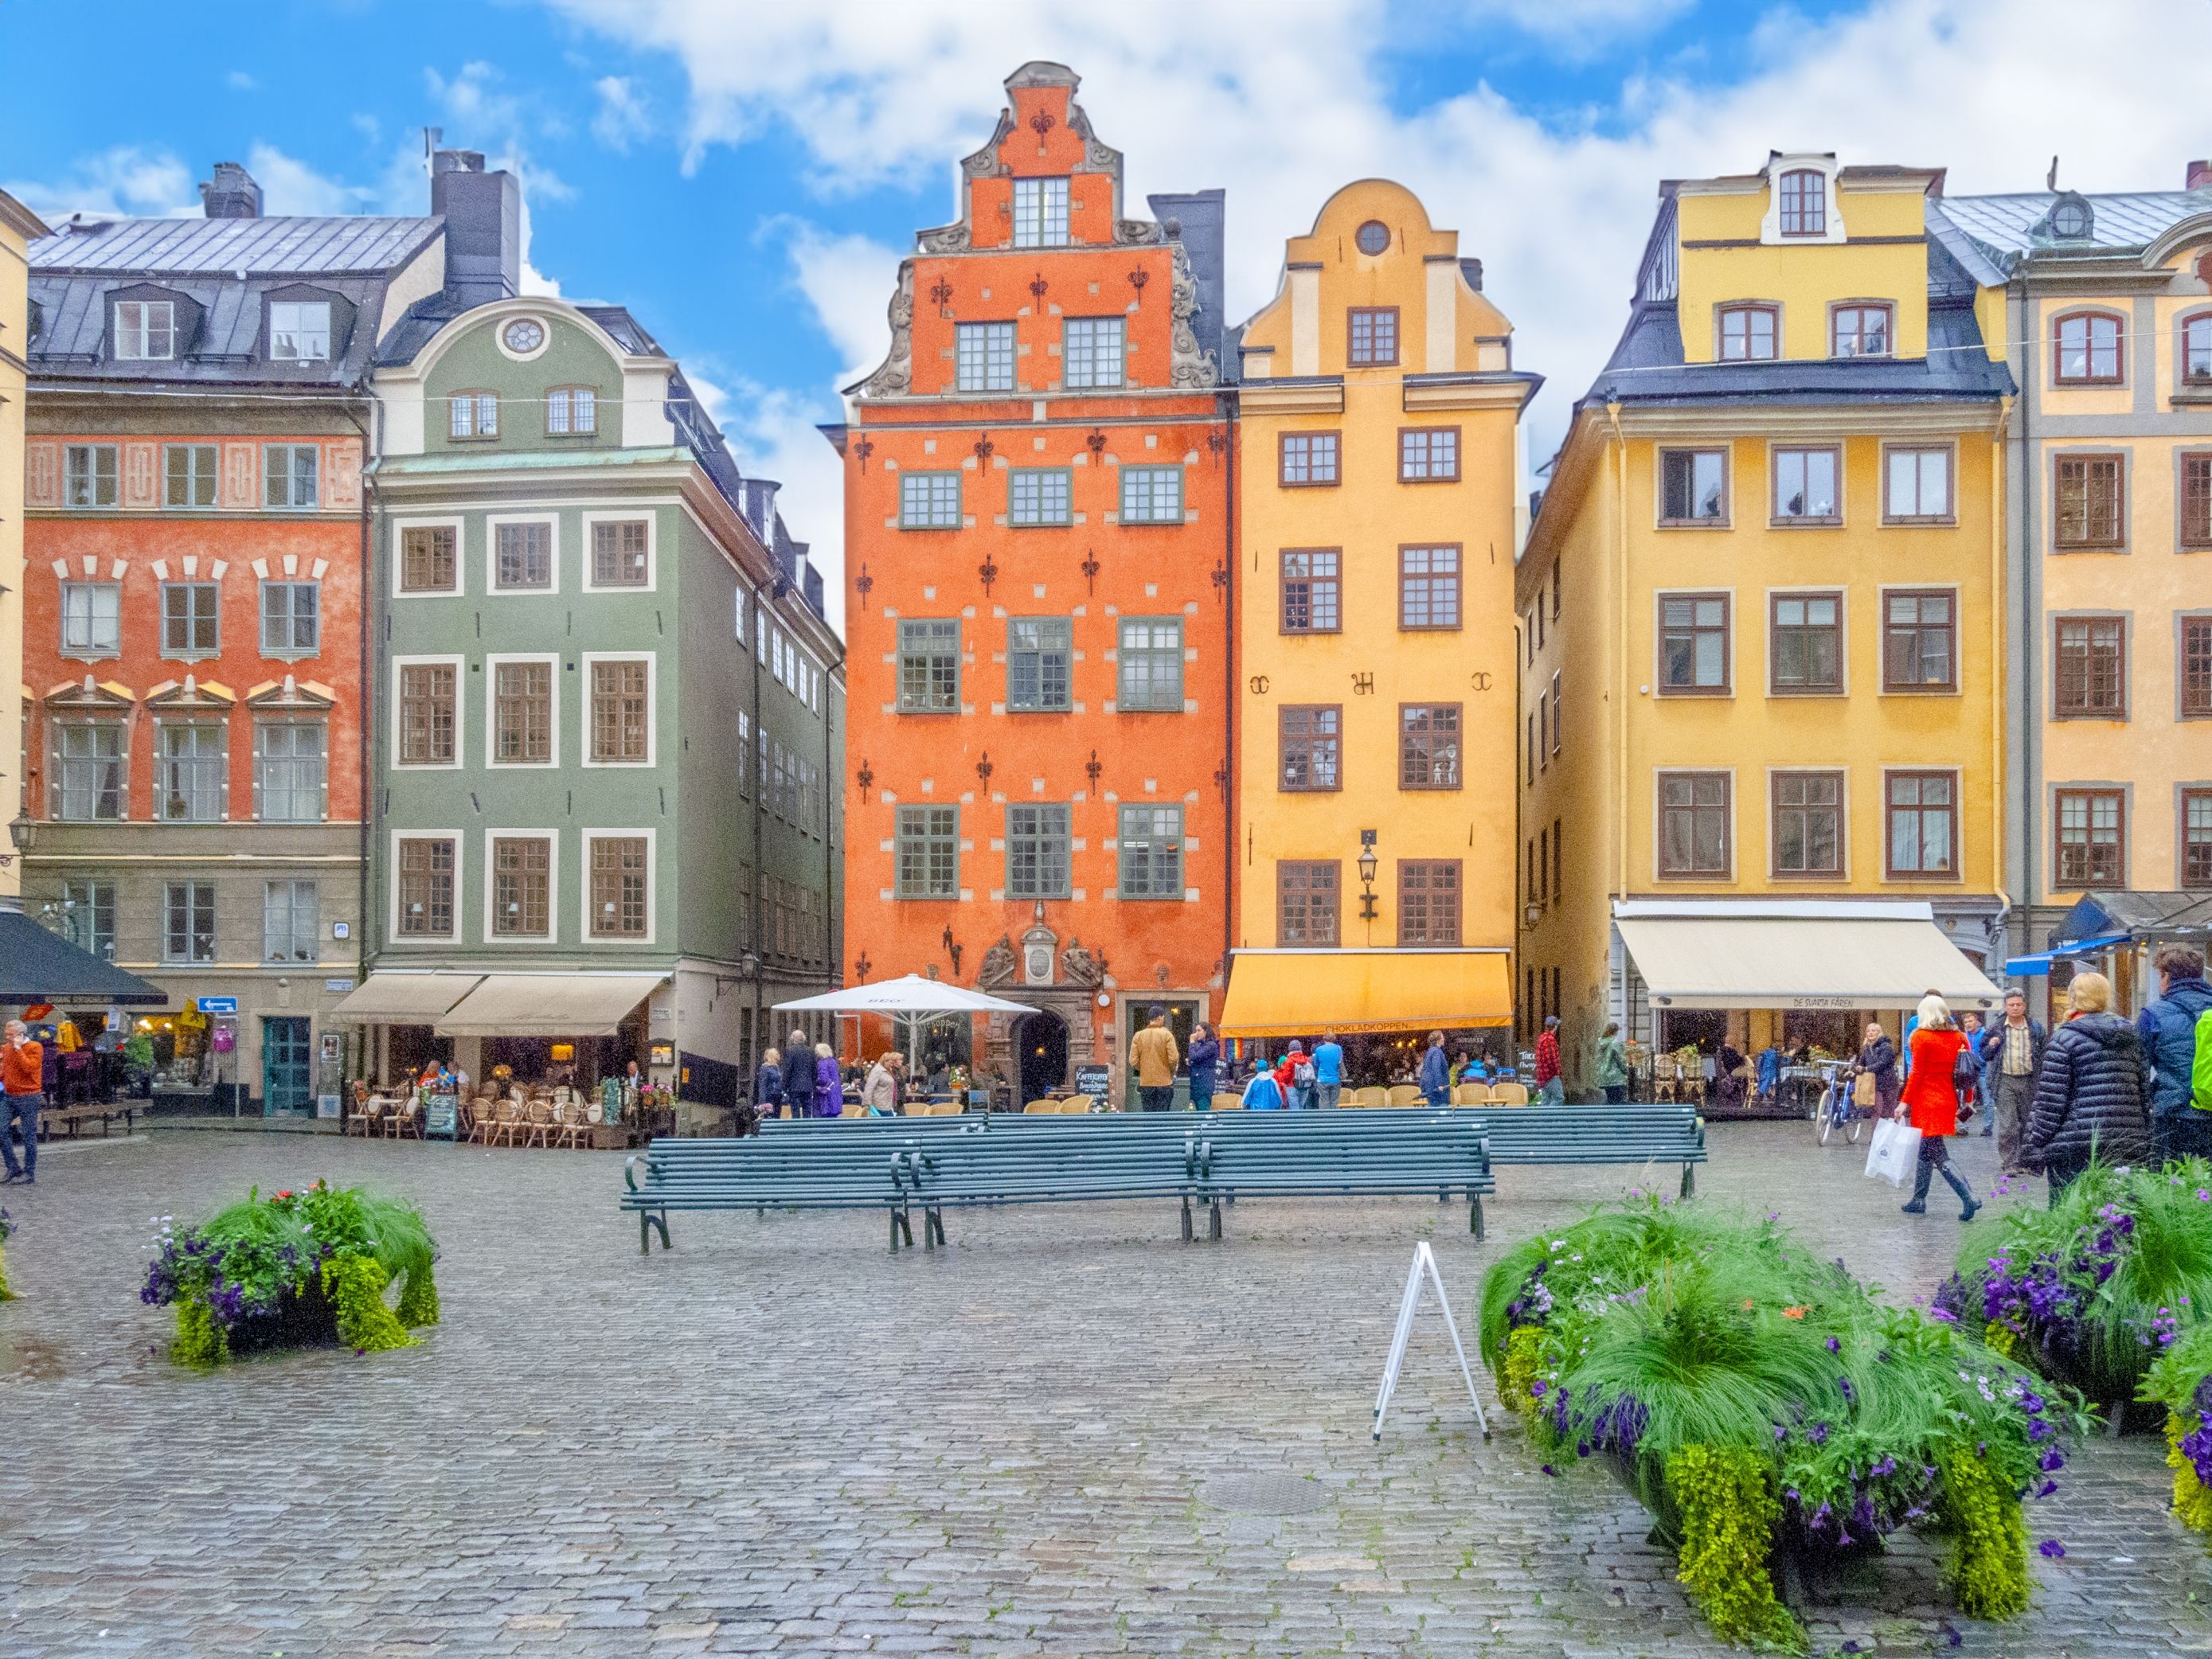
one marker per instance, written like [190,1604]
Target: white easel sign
[1423,1272]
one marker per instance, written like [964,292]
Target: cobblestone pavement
[1067,1434]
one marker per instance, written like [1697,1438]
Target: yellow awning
[404,998]
[547,1005]
[1298,993]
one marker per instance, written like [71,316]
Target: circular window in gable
[1374,237]
[523,338]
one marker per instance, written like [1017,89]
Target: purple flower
[2052,1549]
[2052,1461]
[1835,1345]
[2046,1489]
[1549,1470]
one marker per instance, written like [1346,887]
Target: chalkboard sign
[441,1118]
[1096,1081]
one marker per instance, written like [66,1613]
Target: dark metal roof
[291,246]
[2137,913]
[39,966]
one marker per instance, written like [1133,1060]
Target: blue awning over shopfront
[2034,967]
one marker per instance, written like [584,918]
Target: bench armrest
[629,1175]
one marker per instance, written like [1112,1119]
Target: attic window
[299,330]
[145,331]
[1804,203]
[1373,237]
[2071,220]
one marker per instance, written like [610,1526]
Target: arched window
[2086,349]
[1804,203]
[2196,350]
[1747,333]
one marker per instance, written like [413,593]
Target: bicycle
[1837,1110]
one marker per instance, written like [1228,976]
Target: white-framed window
[572,411]
[192,772]
[1040,495]
[190,619]
[92,619]
[619,885]
[291,771]
[737,615]
[90,906]
[289,474]
[522,710]
[521,884]
[425,883]
[188,932]
[983,358]
[1091,351]
[472,415]
[426,556]
[1917,483]
[1152,495]
[290,920]
[145,331]
[427,727]
[300,333]
[291,618]
[1148,662]
[89,476]
[1040,212]
[523,555]
[620,708]
[188,475]
[92,771]
[619,551]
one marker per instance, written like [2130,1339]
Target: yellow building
[19,227]
[2104,304]
[1762,610]
[1379,467]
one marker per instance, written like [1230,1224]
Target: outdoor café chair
[1405,1094]
[1373,1095]
[1471,1094]
[1509,1094]
[541,1120]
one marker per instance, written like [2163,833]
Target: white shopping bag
[1893,1159]
[1885,1131]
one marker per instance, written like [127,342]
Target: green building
[605,805]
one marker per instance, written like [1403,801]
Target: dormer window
[1860,330]
[1040,212]
[145,331]
[1748,333]
[299,330]
[2073,220]
[2087,350]
[1804,203]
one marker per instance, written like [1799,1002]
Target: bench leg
[1474,1215]
[1689,1181]
[933,1223]
[1186,1218]
[1213,1226]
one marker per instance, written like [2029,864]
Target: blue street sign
[218,1004]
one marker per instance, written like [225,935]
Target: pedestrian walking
[1329,1071]
[880,1093]
[798,1074]
[2012,1054]
[768,1085]
[1551,1085]
[1612,1064]
[1878,1059]
[1436,1072]
[1152,1051]
[1931,1099]
[23,1077]
[829,1083]
[1970,1027]
[1204,1058]
[2092,1096]
[2167,1028]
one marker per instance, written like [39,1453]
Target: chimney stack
[482,213]
[2200,176]
[231,194]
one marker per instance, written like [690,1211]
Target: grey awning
[39,966]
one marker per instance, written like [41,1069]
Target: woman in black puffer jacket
[2090,1099]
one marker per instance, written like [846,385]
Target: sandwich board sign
[1422,1275]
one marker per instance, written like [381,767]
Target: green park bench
[935,1164]
[1664,1134]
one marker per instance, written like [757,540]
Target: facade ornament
[1188,366]
[1137,233]
[998,963]
[946,238]
[985,162]
[897,374]
[1079,967]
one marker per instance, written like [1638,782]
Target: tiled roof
[260,247]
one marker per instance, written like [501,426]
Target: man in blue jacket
[2167,1026]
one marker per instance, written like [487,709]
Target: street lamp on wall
[1367,867]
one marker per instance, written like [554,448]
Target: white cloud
[773,433]
[291,185]
[847,281]
[623,117]
[240,81]
[125,179]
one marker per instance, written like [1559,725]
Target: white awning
[547,1005]
[398,999]
[912,994]
[1801,954]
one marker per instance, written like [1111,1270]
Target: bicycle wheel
[1824,1120]
[1851,1129]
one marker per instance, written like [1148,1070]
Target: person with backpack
[2175,1028]
[2090,1099]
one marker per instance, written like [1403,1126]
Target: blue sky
[743,175]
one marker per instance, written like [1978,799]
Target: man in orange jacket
[22,1076]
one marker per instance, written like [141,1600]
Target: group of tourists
[805,1077]
[2096,1088]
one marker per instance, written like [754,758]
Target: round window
[524,334]
[1374,237]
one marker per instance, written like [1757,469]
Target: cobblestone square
[1067,1434]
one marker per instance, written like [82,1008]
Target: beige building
[19,227]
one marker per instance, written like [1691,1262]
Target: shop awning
[1796,954]
[1298,992]
[38,965]
[2037,965]
[404,998]
[547,1005]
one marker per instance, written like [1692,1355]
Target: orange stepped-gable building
[1038,555]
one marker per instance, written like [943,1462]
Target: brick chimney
[231,194]
[2200,176]
[482,213]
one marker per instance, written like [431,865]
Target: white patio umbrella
[911,998]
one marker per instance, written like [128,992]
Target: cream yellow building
[19,227]
[2103,303]
[1763,633]
[1378,472]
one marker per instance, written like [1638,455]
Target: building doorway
[287,1079]
[1041,1042]
[1136,1014]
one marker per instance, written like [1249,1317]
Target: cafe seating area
[522,1114]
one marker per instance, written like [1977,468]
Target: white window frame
[144,328]
[737,613]
[552,840]
[291,453]
[404,941]
[1038,232]
[491,666]
[215,934]
[91,452]
[651,519]
[299,326]
[260,793]
[398,555]
[492,586]
[94,652]
[288,652]
[189,651]
[192,477]
[460,667]
[586,838]
[292,920]
[652,661]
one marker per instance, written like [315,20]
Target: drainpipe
[1230,409]
[2031,626]
[372,449]
[1621,660]
[1997,665]
[760,847]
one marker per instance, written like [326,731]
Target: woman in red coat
[1931,1101]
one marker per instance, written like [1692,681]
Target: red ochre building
[1038,484]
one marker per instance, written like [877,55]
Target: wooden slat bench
[1664,1134]
[71,1117]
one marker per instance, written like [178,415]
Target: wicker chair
[1471,1094]
[406,1120]
[1509,1094]
[1373,1095]
[539,1123]
[1405,1094]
